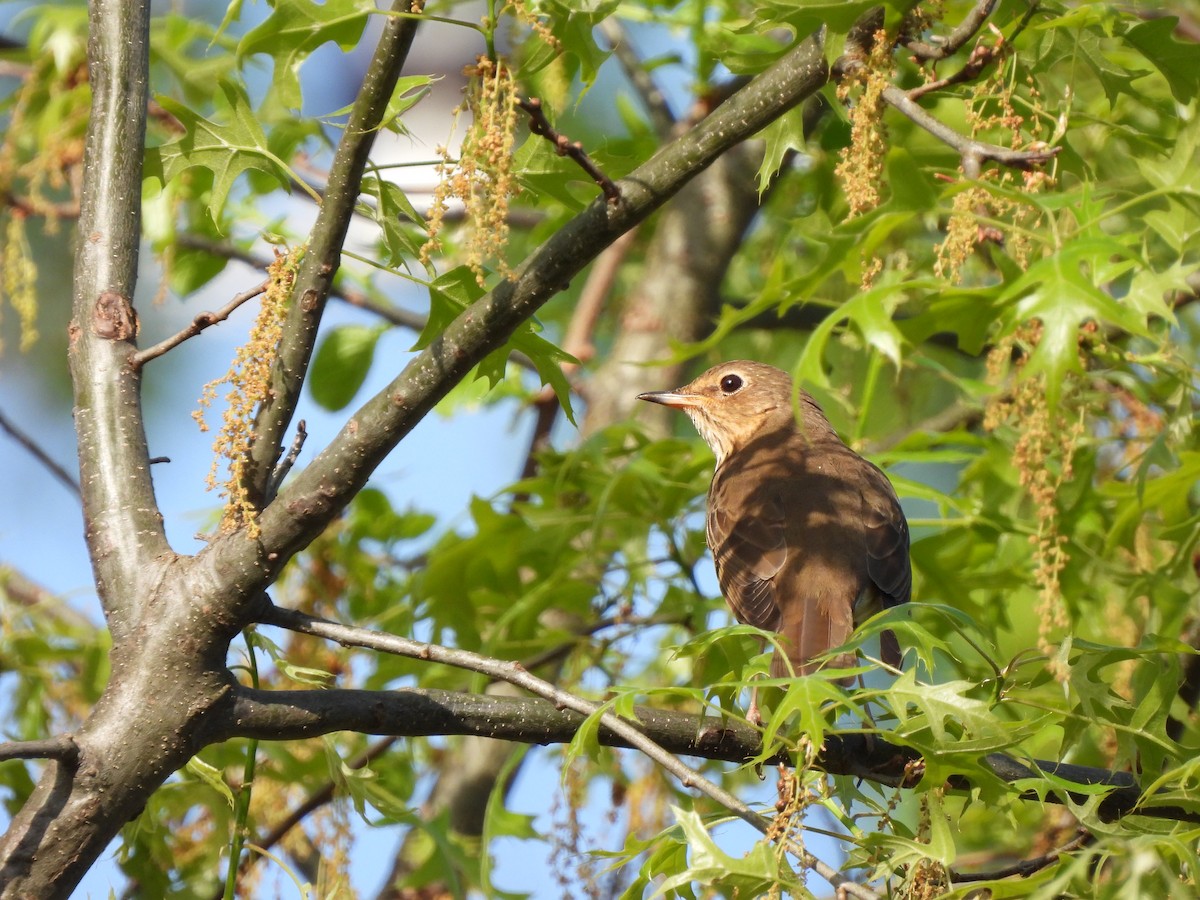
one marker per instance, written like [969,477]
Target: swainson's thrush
[806,534]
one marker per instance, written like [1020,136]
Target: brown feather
[807,536]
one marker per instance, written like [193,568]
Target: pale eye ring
[731,384]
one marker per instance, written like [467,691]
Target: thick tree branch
[310,501]
[519,676]
[415,712]
[123,526]
[324,252]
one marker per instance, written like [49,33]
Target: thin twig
[198,324]
[974,153]
[515,674]
[1027,867]
[288,461]
[401,318]
[39,454]
[951,44]
[564,146]
[981,57]
[39,207]
[62,748]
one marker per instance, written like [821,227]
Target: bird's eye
[731,383]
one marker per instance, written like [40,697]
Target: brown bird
[807,535]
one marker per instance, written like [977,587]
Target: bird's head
[734,402]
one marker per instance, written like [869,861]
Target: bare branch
[519,676]
[951,44]
[974,153]
[39,206]
[125,534]
[981,57]
[62,748]
[1026,867]
[564,146]
[39,454]
[285,466]
[286,715]
[202,321]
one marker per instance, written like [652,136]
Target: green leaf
[1179,63]
[782,136]
[342,363]
[870,312]
[806,16]
[211,776]
[294,30]
[449,294]
[1062,291]
[226,149]
[958,723]
[756,873]
[402,241]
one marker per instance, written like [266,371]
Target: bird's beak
[671,398]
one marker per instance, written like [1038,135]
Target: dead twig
[564,146]
[198,324]
[285,466]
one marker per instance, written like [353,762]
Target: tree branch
[519,676]
[202,321]
[564,146]
[39,454]
[974,153]
[323,256]
[416,712]
[62,748]
[966,30]
[308,503]
[124,528]
[1026,867]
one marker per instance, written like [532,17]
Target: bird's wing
[885,532]
[749,551]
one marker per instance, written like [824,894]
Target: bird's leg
[870,735]
[753,714]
